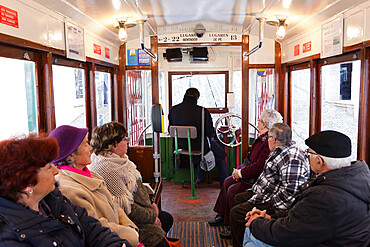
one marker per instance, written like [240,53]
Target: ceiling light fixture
[281,24]
[122,26]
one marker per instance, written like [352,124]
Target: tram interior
[63,62]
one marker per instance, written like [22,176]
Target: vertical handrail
[177,152]
[191,167]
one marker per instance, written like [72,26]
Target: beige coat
[92,194]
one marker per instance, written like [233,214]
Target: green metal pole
[192,196]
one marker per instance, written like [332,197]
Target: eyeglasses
[307,153]
[270,136]
[126,139]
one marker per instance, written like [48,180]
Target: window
[300,103]
[18,100]
[103,97]
[69,96]
[212,88]
[340,99]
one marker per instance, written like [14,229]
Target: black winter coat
[20,226]
[188,113]
[332,210]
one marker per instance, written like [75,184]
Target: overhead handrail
[259,45]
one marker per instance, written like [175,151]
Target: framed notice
[332,38]
[75,43]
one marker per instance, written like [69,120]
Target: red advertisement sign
[107,54]
[8,17]
[306,47]
[97,49]
[296,50]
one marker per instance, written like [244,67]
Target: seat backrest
[182,131]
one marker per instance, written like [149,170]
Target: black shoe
[199,182]
[225,234]
[218,221]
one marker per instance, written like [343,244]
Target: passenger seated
[124,181]
[247,173]
[35,213]
[87,189]
[331,210]
[285,170]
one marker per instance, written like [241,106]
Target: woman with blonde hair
[109,160]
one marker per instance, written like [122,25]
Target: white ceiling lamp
[122,26]
[281,24]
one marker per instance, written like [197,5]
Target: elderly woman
[244,176]
[32,211]
[124,181]
[87,189]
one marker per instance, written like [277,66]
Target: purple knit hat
[68,138]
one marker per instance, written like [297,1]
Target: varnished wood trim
[58,60]
[154,70]
[199,44]
[352,47]
[350,56]
[262,66]
[100,62]
[120,92]
[92,101]
[138,67]
[11,40]
[363,120]
[245,97]
[313,113]
[277,71]
[48,91]
[302,60]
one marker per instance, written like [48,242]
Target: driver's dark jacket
[188,113]
[21,226]
[332,210]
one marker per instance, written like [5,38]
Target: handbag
[173,242]
[208,161]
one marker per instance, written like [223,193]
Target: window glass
[340,100]
[18,100]
[103,97]
[139,105]
[300,83]
[211,88]
[69,96]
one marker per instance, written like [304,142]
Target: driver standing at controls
[188,113]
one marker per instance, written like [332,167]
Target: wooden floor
[191,216]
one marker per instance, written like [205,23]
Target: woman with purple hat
[35,213]
[87,189]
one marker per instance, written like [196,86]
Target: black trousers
[238,213]
[166,220]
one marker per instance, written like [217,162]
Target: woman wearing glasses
[87,189]
[35,213]
[244,176]
[109,160]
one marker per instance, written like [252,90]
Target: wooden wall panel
[245,98]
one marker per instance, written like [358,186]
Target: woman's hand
[158,222]
[156,209]
[235,174]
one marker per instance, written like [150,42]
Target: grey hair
[336,163]
[269,117]
[282,132]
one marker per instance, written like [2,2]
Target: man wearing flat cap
[331,210]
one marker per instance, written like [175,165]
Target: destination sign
[191,37]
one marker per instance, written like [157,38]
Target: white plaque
[332,38]
[75,44]
[191,37]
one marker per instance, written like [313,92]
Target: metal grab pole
[192,196]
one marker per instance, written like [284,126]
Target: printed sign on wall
[306,47]
[137,57]
[8,17]
[75,44]
[332,38]
[107,53]
[296,50]
[97,49]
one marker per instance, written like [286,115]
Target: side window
[340,99]
[18,98]
[103,97]
[69,96]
